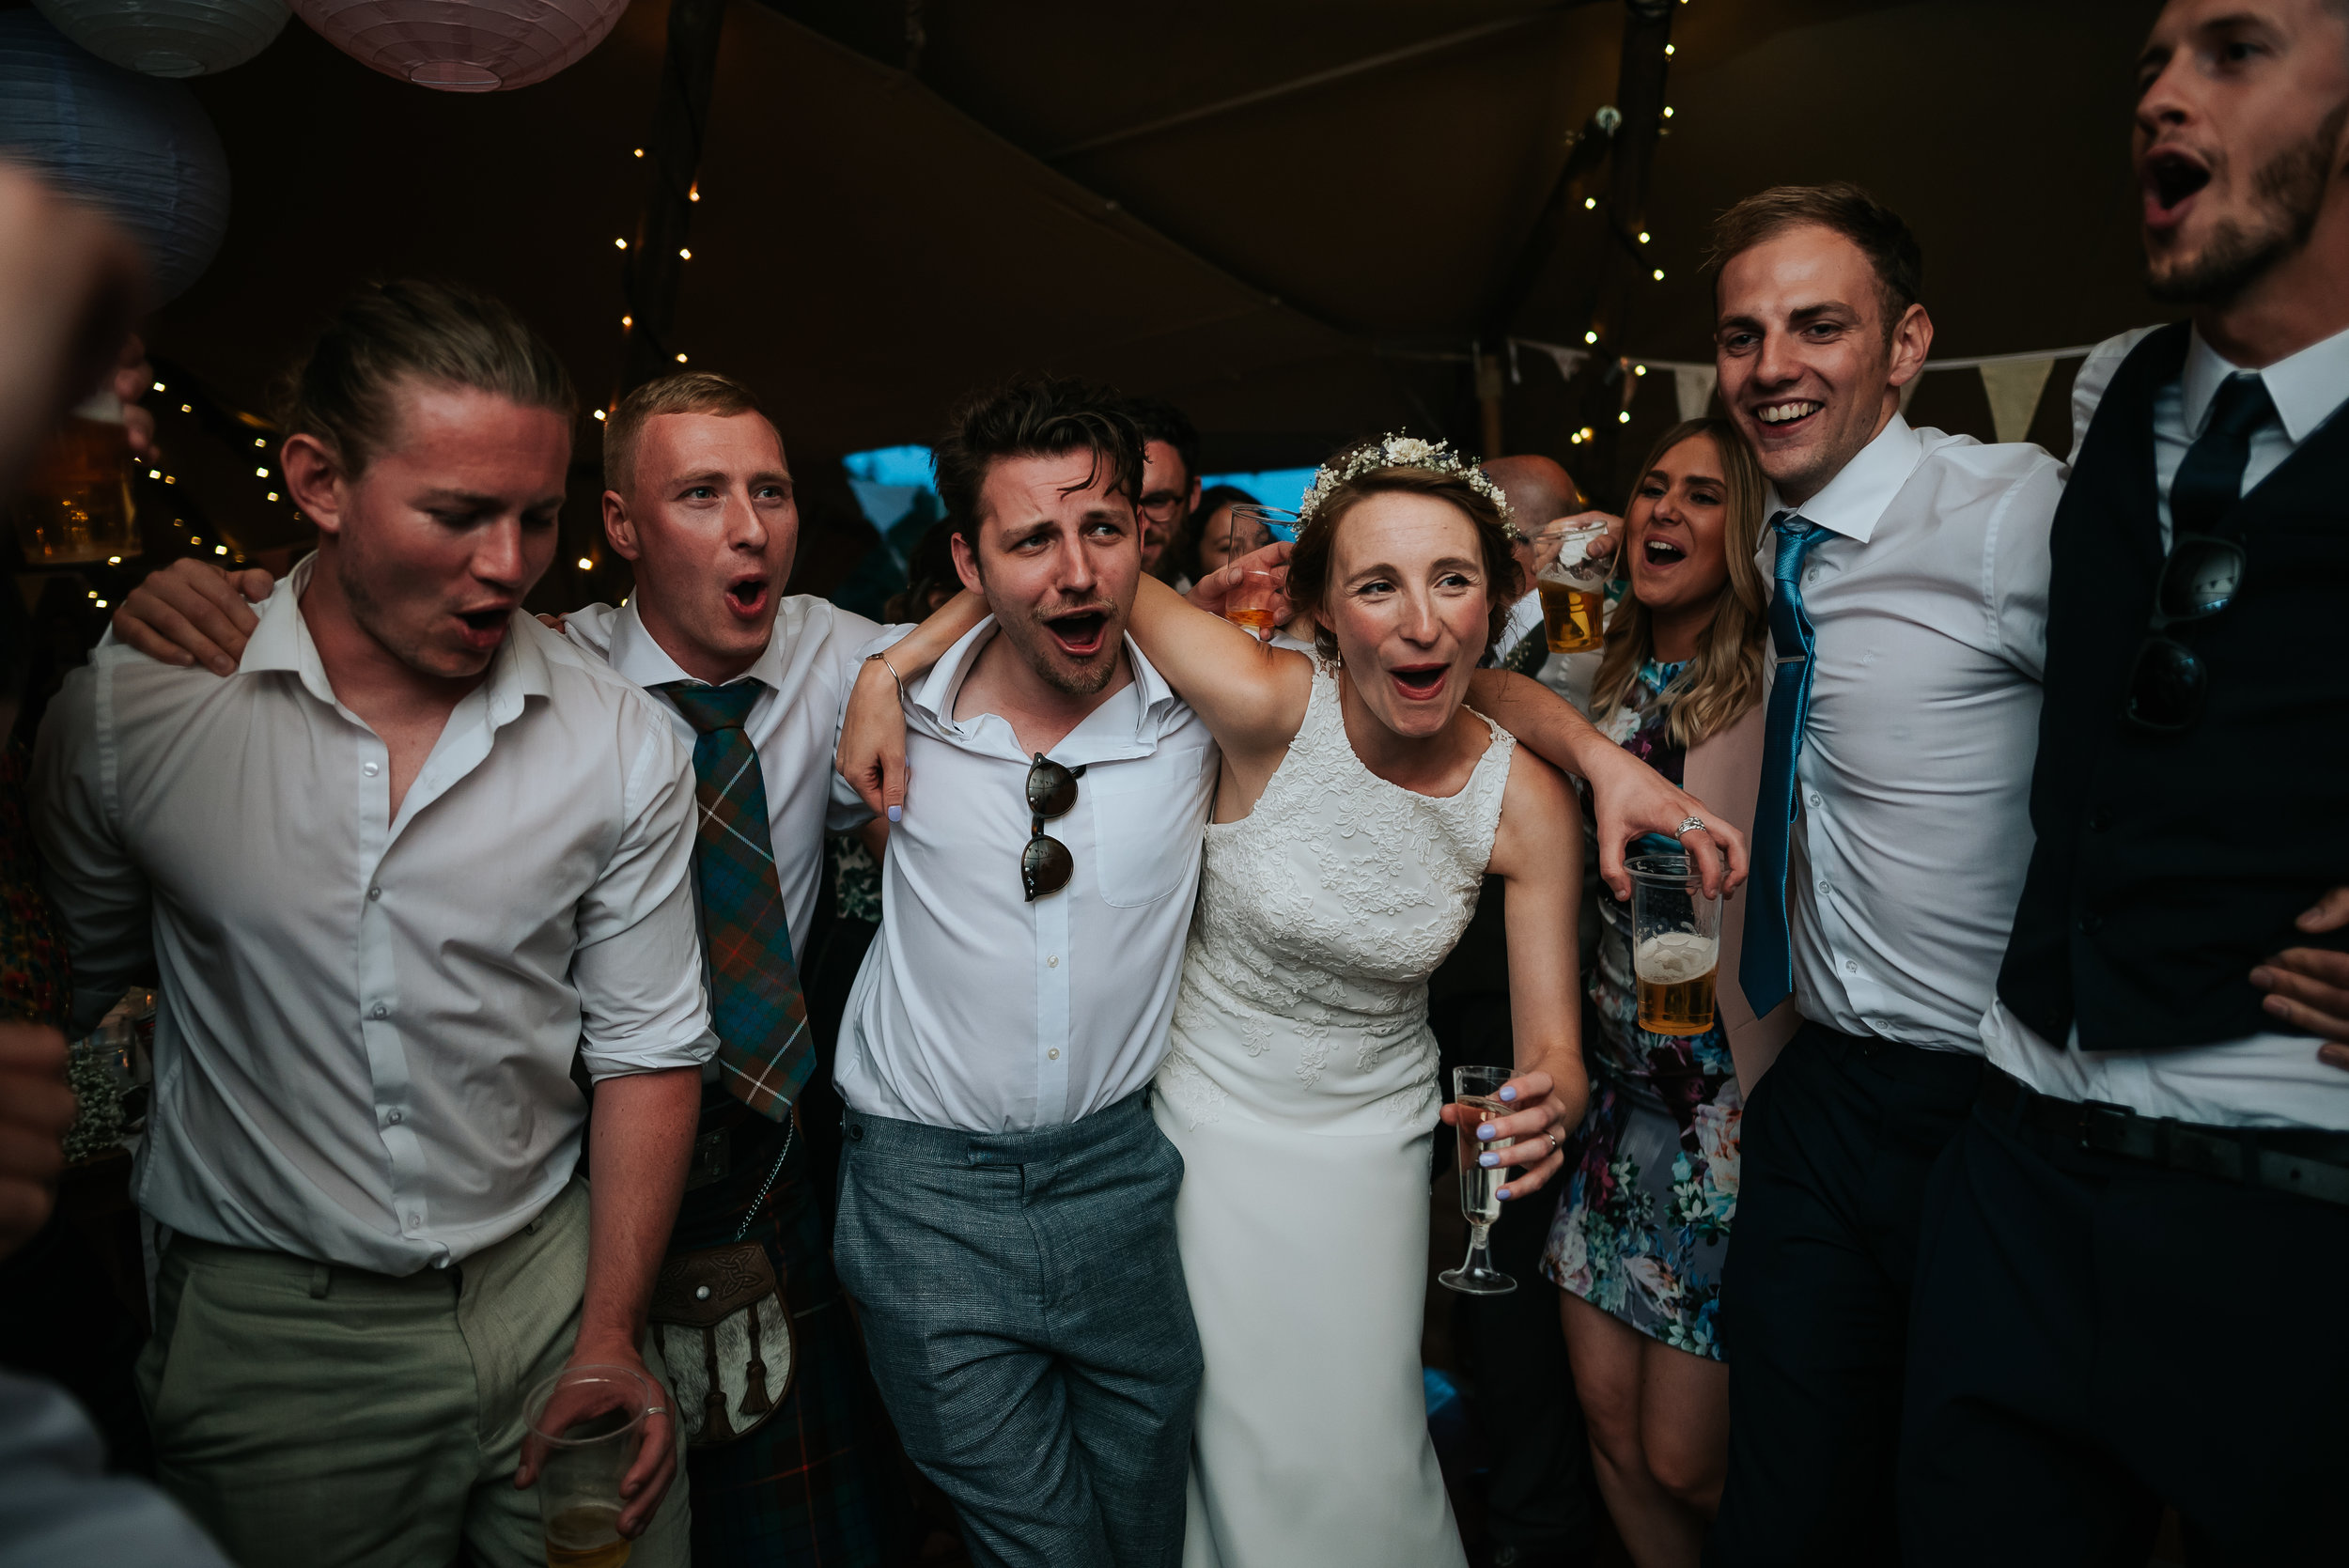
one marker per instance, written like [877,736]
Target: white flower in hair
[1401,451]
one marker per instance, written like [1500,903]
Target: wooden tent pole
[672,147]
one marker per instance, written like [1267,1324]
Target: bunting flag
[1693,384]
[1631,375]
[2013,386]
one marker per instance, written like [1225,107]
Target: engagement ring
[1690,825]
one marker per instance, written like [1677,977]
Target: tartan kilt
[822,1482]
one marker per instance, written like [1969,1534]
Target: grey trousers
[1024,1311]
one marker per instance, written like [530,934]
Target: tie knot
[1791,525]
[2242,406]
[713,707]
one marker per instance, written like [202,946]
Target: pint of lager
[1572,585]
[1675,944]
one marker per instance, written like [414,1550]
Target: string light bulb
[1590,204]
[627,320]
[684,255]
[223,549]
[1670,50]
[681,359]
[1644,236]
[114,560]
[1668,111]
[160,387]
[640,153]
[1591,337]
[259,441]
[187,407]
[599,416]
[260,474]
[585,565]
[1659,274]
[1623,418]
[272,495]
[696,193]
[154,474]
[621,244]
[1639,370]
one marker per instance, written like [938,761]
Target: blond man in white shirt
[392,885]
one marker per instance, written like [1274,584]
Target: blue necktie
[2210,480]
[1767,968]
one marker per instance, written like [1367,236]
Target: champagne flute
[1477,1091]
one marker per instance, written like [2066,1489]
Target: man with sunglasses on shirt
[2119,1241]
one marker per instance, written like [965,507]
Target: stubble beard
[352,576]
[2290,192]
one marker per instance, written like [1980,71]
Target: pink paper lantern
[463,46]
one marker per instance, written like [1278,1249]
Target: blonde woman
[1641,1231]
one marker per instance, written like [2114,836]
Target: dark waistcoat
[2167,866]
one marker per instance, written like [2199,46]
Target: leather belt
[2307,1162]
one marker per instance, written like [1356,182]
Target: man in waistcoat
[2124,1242]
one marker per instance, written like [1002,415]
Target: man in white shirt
[392,885]
[698,498]
[1006,1201]
[2161,1156]
[1889,843]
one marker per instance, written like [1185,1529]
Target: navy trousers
[2095,1336]
[1837,1144]
[1025,1314]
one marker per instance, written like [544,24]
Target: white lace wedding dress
[1301,1088]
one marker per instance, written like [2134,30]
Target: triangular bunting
[2014,387]
[1693,384]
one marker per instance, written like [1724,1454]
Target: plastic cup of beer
[1675,944]
[1572,585]
[587,1424]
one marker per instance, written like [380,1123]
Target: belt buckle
[2107,1117]
[712,1160]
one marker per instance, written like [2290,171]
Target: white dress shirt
[979,1011]
[808,667]
[2268,1079]
[367,1023]
[1913,788]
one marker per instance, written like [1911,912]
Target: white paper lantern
[169,38]
[140,149]
[463,46]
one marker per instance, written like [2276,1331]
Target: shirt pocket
[1140,853]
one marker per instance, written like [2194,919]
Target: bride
[1361,804]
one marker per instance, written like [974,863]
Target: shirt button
[373,893]
[414,1220]
[1053,1053]
[378,1011]
[1051,961]
[1822,884]
[1816,802]
[370,768]
[1851,966]
[394,1118]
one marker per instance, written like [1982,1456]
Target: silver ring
[1690,825]
[656,1409]
[1553,1141]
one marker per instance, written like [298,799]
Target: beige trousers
[313,1417]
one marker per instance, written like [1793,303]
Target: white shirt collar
[1853,502]
[931,697]
[282,642]
[639,655]
[2307,386]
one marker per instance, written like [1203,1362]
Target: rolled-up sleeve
[103,904]
[638,969]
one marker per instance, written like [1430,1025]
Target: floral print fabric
[1645,1220]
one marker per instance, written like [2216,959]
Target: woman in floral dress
[1645,1218]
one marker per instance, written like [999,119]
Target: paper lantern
[169,38]
[463,46]
[140,149]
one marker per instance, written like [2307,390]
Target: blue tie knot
[1795,535]
[2242,406]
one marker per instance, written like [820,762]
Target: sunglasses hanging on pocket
[1045,865]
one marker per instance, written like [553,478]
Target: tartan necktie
[765,1056]
[2210,480]
[1765,970]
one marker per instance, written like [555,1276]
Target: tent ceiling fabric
[872,243]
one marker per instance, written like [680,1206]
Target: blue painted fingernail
[1486,1131]
[896,814]
[1508,1091]
[1488,1159]
[1503,1194]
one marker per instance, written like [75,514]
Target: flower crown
[1400,451]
